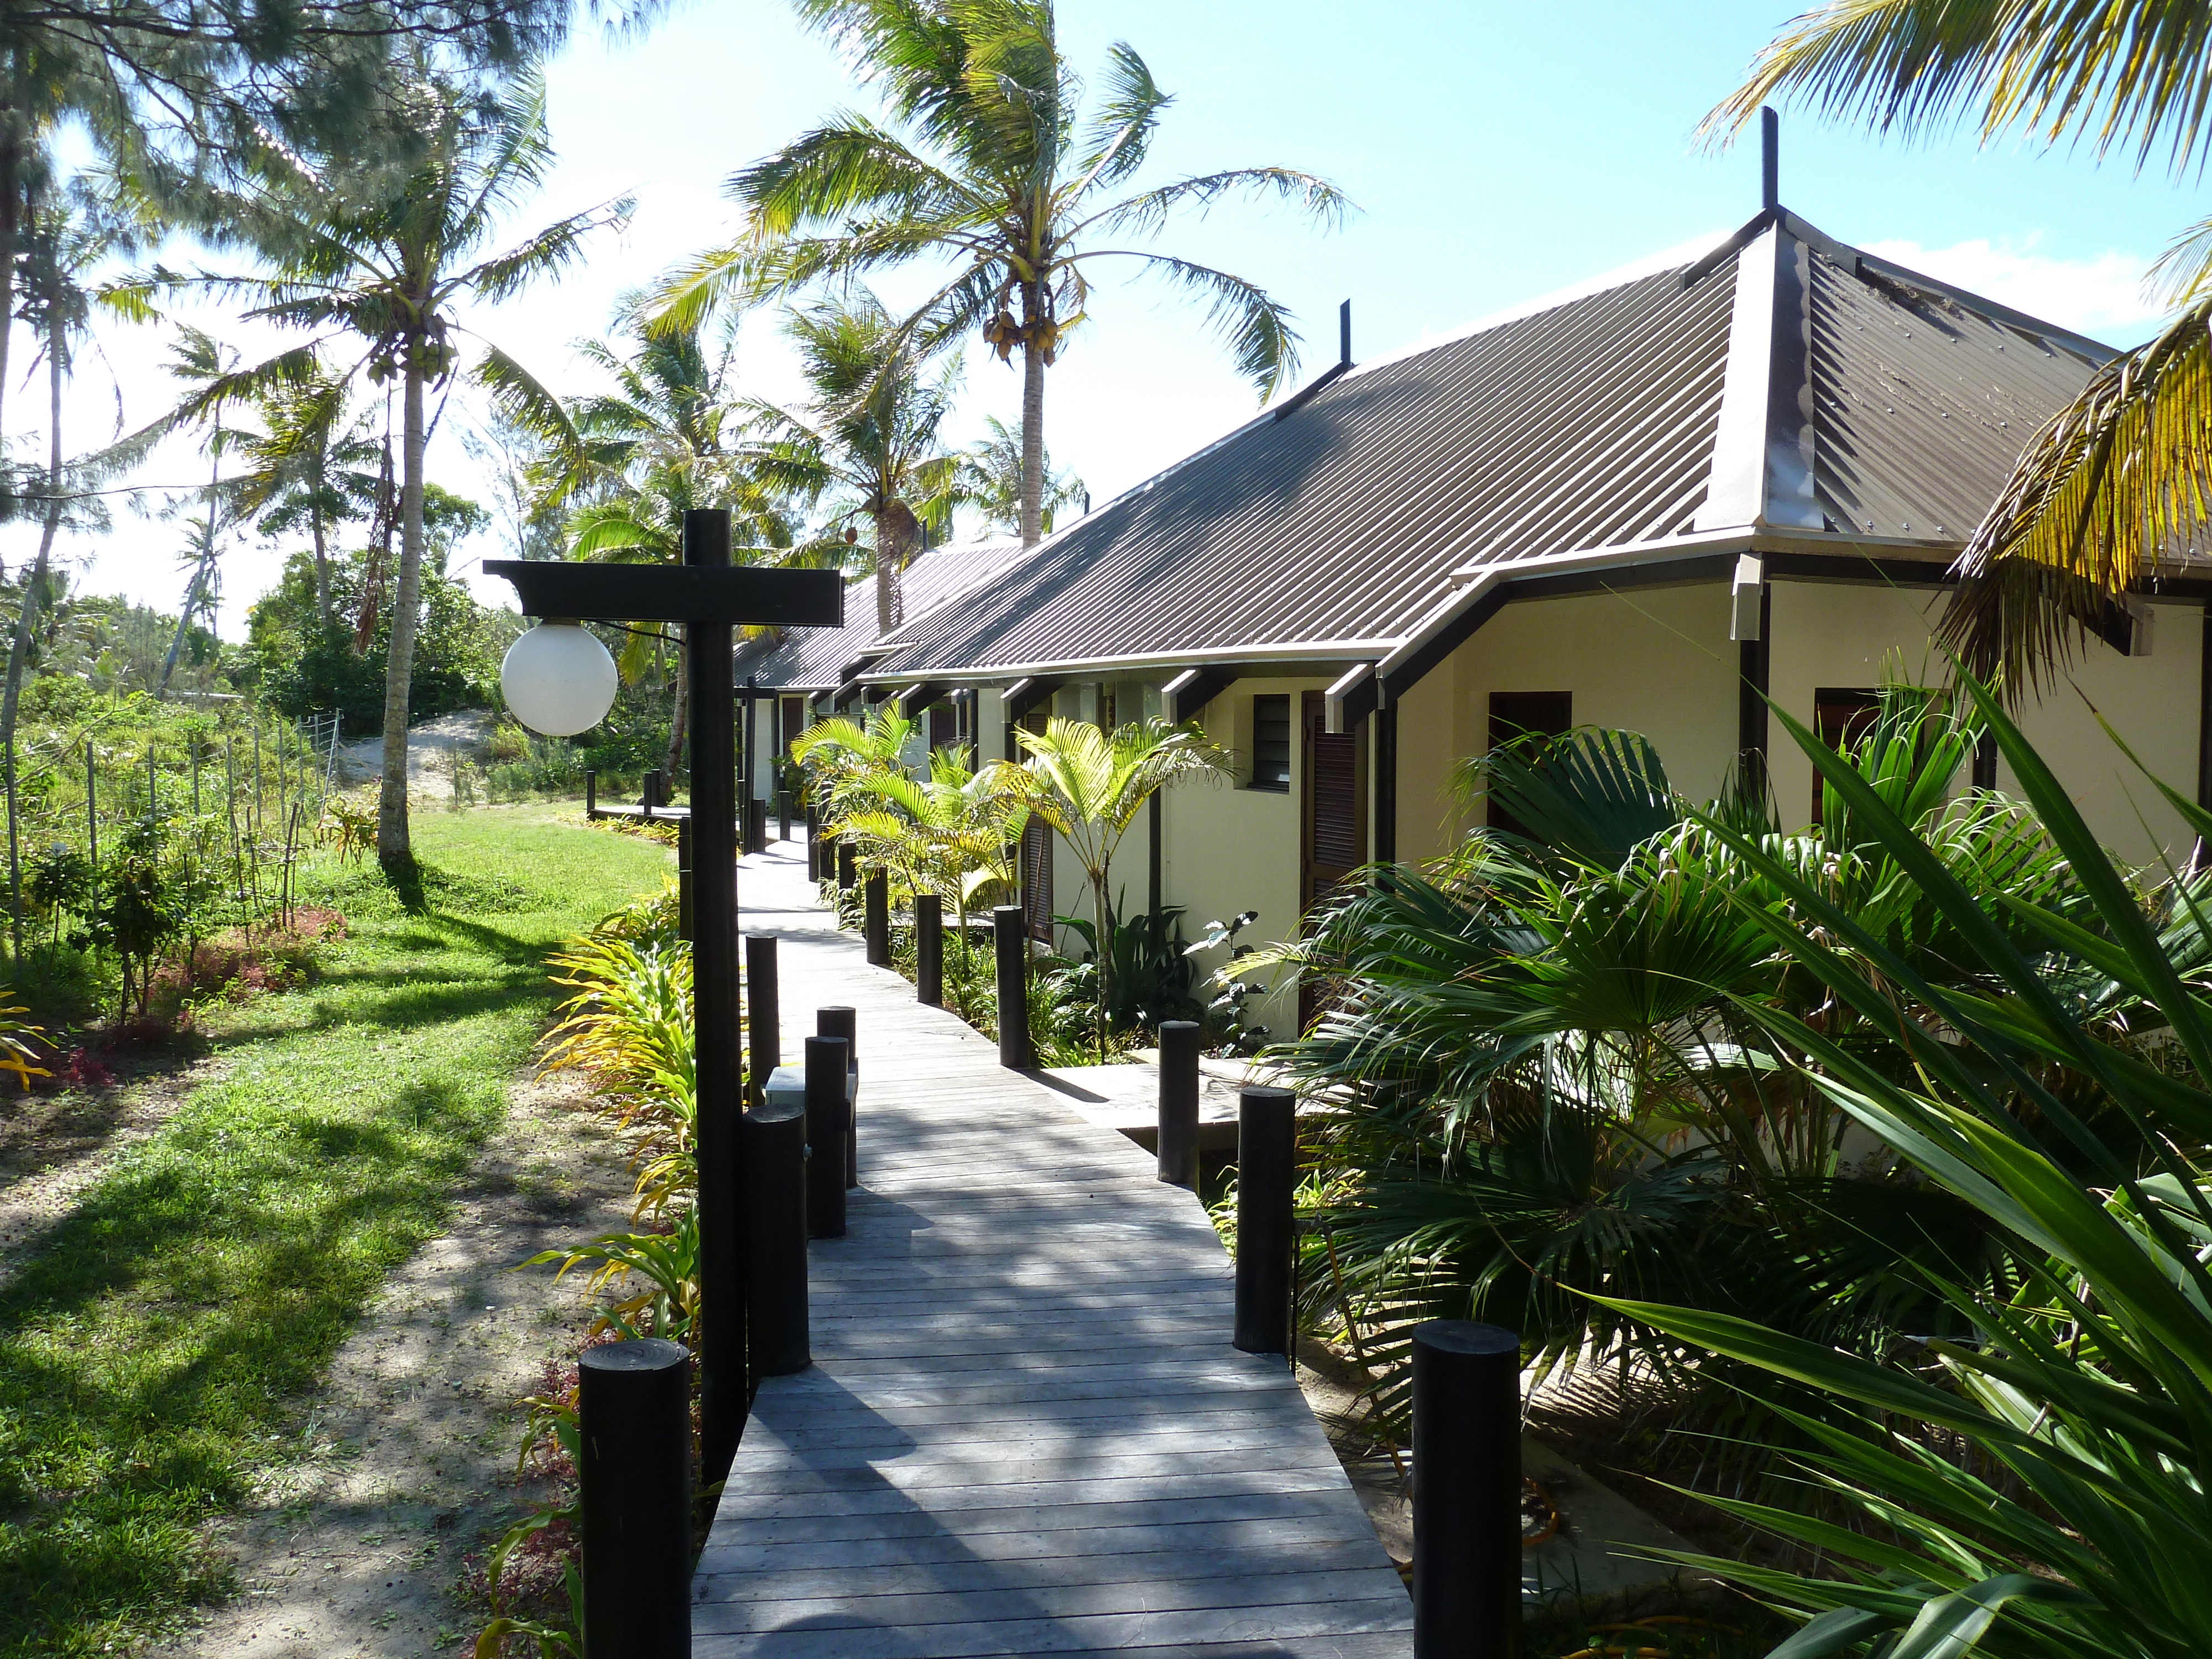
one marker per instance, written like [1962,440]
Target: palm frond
[2112,486]
[1255,327]
[2138,78]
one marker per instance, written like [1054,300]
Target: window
[1517,714]
[1271,743]
[944,726]
[1841,716]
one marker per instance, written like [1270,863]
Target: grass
[154,1358]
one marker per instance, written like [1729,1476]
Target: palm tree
[990,165]
[1088,787]
[66,236]
[359,250]
[628,464]
[310,467]
[62,238]
[990,477]
[868,442]
[949,833]
[2122,478]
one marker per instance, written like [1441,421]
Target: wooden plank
[1025,1431]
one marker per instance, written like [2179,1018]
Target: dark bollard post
[1178,1131]
[783,815]
[1267,1173]
[813,844]
[755,826]
[828,1119]
[876,919]
[634,1472]
[847,871]
[840,1021]
[1467,1490]
[774,1136]
[763,1020]
[1010,936]
[590,793]
[929,950]
[686,924]
[656,790]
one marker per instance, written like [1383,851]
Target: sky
[1497,152]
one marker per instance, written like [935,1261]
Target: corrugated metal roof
[1589,424]
[1586,426]
[816,658]
[1921,405]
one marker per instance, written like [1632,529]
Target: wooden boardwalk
[1025,1431]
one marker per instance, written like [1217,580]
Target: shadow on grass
[152,1356]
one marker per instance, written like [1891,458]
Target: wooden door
[1333,832]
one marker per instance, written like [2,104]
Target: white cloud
[2102,297]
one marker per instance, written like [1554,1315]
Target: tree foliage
[992,164]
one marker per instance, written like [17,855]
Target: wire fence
[140,843]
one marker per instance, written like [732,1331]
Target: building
[796,675]
[1637,506]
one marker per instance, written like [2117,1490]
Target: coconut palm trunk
[678,718]
[10,224]
[896,527]
[322,565]
[1033,366]
[19,649]
[26,620]
[394,850]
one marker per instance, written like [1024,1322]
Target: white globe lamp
[558,679]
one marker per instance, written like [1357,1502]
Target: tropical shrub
[2035,1485]
[1555,1074]
[1088,784]
[628,1023]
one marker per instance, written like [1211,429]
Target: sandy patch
[357,1549]
[432,746]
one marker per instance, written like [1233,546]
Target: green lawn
[153,1361]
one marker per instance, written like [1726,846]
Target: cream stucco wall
[1840,635]
[1226,848]
[2152,703]
[1845,635]
[1657,660]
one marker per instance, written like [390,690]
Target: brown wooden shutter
[943,729]
[1336,799]
[1036,877]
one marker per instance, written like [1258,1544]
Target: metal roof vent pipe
[1343,335]
[1770,160]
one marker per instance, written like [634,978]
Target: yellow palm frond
[2114,486]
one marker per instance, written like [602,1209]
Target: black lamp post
[708,597]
